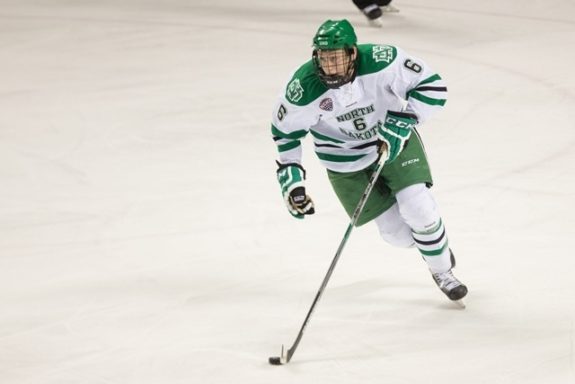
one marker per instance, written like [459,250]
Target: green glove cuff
[290,176]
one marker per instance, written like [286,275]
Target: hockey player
[355,99]
[373,9]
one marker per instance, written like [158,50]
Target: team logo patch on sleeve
[326,104]
[294,91]
[383,53]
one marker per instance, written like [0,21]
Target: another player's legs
[371,10]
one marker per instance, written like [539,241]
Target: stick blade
[279,360]
[276,360]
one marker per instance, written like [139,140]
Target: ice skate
[389,9]
[373,14]
[386,7]
[454,289]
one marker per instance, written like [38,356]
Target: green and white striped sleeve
[424,89]
[290,124]
[288,144]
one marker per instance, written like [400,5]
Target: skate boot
[449,284]
[373,14]
[386,7]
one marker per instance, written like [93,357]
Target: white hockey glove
[395,132]
[291,178]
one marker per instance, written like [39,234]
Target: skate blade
[375,23]
[459,304]
[389,9]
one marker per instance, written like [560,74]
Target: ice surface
[143,238]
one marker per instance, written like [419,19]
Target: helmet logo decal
[382,53]
[294,91]
[326,104]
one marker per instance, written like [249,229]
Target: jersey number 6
[359,124]
[282,112]
[412,66]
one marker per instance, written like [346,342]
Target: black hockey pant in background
[361,4]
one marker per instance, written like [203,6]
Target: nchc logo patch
[326,104]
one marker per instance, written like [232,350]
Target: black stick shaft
[353,221]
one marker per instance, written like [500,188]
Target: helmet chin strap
[336,81]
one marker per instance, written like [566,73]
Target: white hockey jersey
[344,121]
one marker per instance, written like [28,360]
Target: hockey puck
[275,361]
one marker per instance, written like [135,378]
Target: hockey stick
[285,357]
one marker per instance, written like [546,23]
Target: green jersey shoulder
[374,58]
[304,86]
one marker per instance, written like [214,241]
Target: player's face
[335,61]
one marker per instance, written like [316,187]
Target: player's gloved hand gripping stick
[287,355]
[395,132]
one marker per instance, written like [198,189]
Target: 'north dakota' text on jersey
[358,112]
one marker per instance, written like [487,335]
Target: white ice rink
[143,237]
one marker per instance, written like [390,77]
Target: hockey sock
[433,246]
